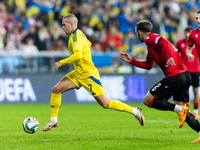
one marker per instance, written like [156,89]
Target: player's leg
[196,102]
[63,85]
[107,103]
[162,104]
[182,98]
[195,83]
[159,94]
[94,87]
[191,121]
[157,103]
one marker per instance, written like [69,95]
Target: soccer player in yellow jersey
[85,74]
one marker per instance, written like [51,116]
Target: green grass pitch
[87,126]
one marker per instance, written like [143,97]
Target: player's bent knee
[56,90]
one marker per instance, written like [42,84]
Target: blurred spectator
[29,49]
[14,40]
[183,22]
[156,21]
[33,34]
[129,40]
[57,9]
[2,36]
[97,47]
[169,30]
[43,37]
[139,49]
[58,45]
[55,30]
[126,22]
[138,70]
[113,40]
[190,4]
[118,67]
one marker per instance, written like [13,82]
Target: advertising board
[37,88]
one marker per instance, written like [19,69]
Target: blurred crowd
[109,24]
[36,25]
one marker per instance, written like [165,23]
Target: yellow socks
[117,105]
[55,104]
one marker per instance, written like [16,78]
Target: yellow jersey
[79,48]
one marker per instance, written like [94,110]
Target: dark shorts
[176,86]
[195,79]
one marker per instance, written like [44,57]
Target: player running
[85,74]
[193,67]
[177,79]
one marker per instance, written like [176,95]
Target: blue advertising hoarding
[37,88]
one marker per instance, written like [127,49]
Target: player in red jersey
[177,79]
[194,39]
[193,67]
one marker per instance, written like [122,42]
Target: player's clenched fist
[57,65]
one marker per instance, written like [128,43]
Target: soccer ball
[30,125]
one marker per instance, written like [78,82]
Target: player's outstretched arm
[189,53]
[126,57]
[148,64]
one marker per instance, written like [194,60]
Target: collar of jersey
[75,30]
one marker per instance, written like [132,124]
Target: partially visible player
[193,67]
[177,79]
[85,74]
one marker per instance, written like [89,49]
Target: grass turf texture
[87,126]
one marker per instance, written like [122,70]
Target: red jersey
[159,51]
[194,38]
[191,66]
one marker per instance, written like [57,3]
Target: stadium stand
[33,27]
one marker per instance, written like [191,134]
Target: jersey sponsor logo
[196,35]
[156,40]
[156,86]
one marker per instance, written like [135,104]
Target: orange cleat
[182,115]
[197,140]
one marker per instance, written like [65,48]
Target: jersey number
[90,85]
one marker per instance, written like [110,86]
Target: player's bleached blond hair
[71,18]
